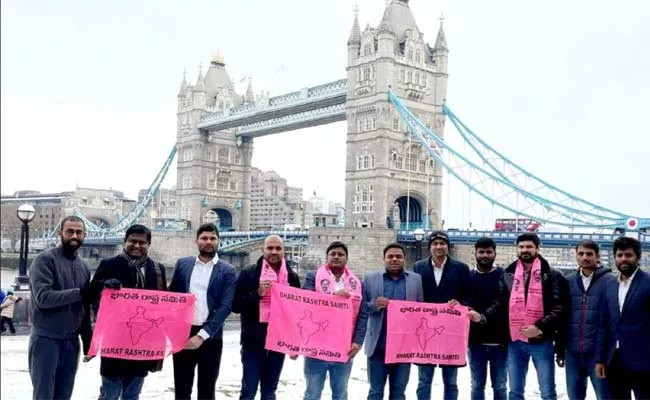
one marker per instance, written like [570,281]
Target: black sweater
[485,289]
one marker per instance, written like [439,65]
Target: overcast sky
[89,88]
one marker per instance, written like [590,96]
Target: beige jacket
[8,306]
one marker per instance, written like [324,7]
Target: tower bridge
[393,98]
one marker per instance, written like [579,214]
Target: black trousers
[207,358]
[623,382]
[10,323]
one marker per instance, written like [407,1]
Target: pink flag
[313,324]
[137,324]
[426,333]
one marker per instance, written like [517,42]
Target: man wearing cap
[444,280]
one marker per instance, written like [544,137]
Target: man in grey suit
[378,289]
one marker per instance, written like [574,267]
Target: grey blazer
[373,287]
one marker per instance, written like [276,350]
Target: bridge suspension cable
[508,170]
[476,179]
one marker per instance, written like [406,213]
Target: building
[320,205]
[213,169]
[48,208]
[103,207]
[387,174]
[274,204]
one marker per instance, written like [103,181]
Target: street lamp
[419,236]
[25,213]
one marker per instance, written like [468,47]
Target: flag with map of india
[136,324]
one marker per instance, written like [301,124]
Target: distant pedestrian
[8,311]
[60,313]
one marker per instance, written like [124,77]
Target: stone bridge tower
[388,175]
[213,169]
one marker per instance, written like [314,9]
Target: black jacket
[455,283]
[554,292]
[247,304]
[485,289]
[118,268]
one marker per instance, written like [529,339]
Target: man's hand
[113,284]
[354,350]
[194,343]
[264,288]
[294,357]
[600,370]
[474,316]
[531,331]
[342,293]
[381,302]
[88,358]
[453,303]
[559,360]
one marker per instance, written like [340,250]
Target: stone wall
[365,247]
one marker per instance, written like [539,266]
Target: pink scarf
[268,274]
[526,310]
[326,283]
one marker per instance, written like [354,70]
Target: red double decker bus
[516,225]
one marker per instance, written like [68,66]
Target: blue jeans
[316,372]
[378,371]
[578,370]
[263,368]
[425,379]
[479,358]
[519,355]
[128,387]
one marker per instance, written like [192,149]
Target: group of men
[593,322]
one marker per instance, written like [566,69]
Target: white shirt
[340,284]
[623,288]
[199,282]
[586,280]
[437,272]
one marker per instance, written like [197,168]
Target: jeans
[316,372]
[53,366]
[578,369]
[378,371]
[128,387]
[425,379]
[263,368]
[519,355]
[480,356]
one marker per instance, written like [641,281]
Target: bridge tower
[213,169]
[389,178]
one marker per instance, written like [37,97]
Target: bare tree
[11,225]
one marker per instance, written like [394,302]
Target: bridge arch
[412,204]
[100,221]
[225,221]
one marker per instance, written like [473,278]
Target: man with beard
[444,280]
[252,301]
[488,341]
[531,295]
[131,269]
[335,278]
[212,281]
[60,295]
[577,346]
[625,326]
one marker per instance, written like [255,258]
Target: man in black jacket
[260,367]
[488,343]
[444,280]
[131,269]
[531,336]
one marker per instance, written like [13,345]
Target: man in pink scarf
[334,277]
[261,367]
[535,297]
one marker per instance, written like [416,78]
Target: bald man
[261,367]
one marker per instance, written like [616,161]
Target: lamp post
[25,213]
[419,236]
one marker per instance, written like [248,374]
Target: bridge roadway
[231,241]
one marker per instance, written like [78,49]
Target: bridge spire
[200,85]
[181,91]
[441,40]
[355,33]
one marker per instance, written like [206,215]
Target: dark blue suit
[220,293]
[628,367]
